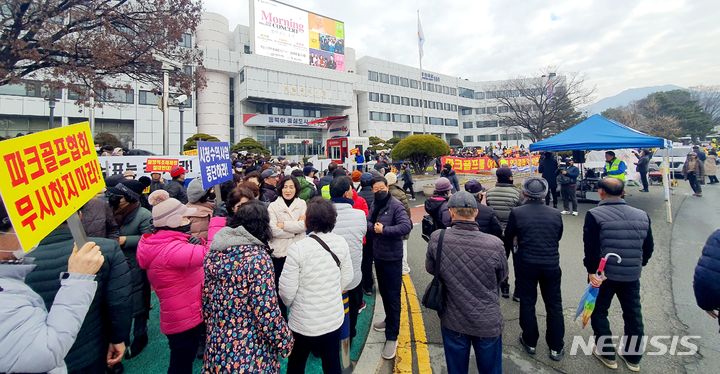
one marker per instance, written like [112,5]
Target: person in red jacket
[173,260]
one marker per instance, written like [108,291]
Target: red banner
[160,165]
[478,164]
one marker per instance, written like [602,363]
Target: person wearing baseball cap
[537,228]
[176,186]
[268,189]
[471,265]
[486,218]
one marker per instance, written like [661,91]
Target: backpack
[430,224]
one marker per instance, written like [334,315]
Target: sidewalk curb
[371,360]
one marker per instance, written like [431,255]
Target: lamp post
[51,103]
[181,108]
[166,115]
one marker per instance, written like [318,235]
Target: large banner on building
[270,120]
[47,177]
[292,34]
[478,164]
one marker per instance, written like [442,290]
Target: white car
[677,158]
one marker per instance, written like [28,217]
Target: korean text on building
[47,176]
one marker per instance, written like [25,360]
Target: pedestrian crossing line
[419,337]
[404,357]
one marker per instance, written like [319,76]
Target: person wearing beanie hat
[503,198]
[450,174]
[399,194]
[203,202]
[537,230]
[134,221]
[174,262]
[436,206]
[176,186]
[470,263]
[355,176]
[486,218]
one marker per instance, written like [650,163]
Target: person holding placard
[31,338]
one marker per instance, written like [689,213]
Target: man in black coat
[615,227]
[548,168]
[101,340]
[268,188]
[486,218]
[387,224]
[642,167]
[537,228]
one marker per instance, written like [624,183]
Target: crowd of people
[259,268]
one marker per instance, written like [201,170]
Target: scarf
[122,213]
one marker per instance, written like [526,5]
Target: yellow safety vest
[503,162]
[613,167]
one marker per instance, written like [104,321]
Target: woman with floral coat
[245,330]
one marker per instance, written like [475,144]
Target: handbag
[325,246]
[434,297]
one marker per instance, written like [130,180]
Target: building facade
[276,101]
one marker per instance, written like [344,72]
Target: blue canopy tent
[599,133]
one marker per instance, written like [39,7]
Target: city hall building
[288,81]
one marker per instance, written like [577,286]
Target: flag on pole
[421,36]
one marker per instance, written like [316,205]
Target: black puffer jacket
[488,221]
[538,229]
[396,224]
[268,193]
[437,207]
[98,221]
[176,190]
[706,281]
[108,319]
[471,266]
[367,194]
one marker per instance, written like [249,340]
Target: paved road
[668,304]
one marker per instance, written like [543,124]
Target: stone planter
[428,189]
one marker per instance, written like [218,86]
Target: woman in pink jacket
[173,260]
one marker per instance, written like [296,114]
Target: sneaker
[412,199]
[379,327]
[389,349]
[575,214]
[632,367]
[557,355]
[612,364]
[516,298]
[530,350]
[565,212]
[644,191]
[505,290]
[362,307]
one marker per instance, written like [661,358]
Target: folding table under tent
[599,133]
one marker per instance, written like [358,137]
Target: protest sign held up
[160,165]
[47,177]
[215,165]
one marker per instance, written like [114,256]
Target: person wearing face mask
[287,221]
[35,338]
[176,186]
[203,203]
[173,260]
[134,220]
[240,195]
[387,224]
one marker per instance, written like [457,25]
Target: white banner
[113,165]
[273,120]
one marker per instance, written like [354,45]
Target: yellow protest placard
[192,152]
[48,176]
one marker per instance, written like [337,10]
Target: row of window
[412,83]
[492,138]
[285,110]
[110,95]
[408,101]
[406,118]
[481,124]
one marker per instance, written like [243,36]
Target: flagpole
[422,93]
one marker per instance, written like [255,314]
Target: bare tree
[646,115]
[90,45]
[542,105]
[709,99]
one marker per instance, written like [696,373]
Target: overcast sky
[616,44]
